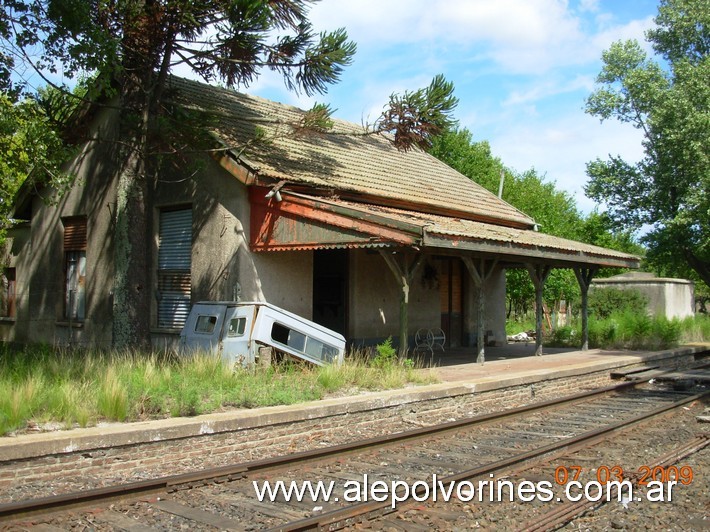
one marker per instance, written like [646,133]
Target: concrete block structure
[672,298]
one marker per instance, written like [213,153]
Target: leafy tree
[603,302]
[134,45]
[555,211]
[31,145]
[668,99]
[457,148]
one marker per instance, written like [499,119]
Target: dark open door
[451,300]
[330,289]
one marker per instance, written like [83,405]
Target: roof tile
[345,159]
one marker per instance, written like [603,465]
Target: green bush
[627,330]
[386,354]
[602,333]
[695,329]
[562,337]
[603,302]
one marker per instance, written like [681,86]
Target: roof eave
[525,252]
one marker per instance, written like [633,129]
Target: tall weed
[695,329]
[81,387]
[112,396]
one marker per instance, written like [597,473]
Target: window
[284,335]
[75,268]
[319,350]
[174,267]
[7,293]
[205,324]
[237,327]
[300,342]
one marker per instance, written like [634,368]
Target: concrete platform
[459,364]
[506,367]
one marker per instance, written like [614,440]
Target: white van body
[237,331]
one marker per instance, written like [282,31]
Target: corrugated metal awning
[302,222]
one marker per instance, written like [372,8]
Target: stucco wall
[223,267]
[38,256]
[672,298]
[375,300]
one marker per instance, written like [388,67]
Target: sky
[522,70]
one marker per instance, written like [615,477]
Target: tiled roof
[344,160]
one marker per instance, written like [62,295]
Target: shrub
[563,336]
[634,331]
[603,302]
[696,329]
[386,354]
[602,333]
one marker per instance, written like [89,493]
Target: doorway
[451,300]
[330,289]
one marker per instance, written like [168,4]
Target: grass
[630,330]
[80,388]
[519,324]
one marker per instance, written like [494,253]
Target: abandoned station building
[338,227]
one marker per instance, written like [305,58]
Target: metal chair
[429,339]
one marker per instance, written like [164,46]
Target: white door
[236,347]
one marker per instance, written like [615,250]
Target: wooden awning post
[404,274]
[538,274]
[480,271]
[584,278]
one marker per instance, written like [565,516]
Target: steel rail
[345,516]
[15,509]
[569,511]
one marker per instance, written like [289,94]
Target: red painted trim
[267,213]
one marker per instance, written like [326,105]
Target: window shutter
[174,265]
[75,233]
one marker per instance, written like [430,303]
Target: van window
[237,326]
[205,324]
[284,335]
[321,351]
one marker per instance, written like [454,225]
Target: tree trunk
[132,254]
[140,89]
[701,267]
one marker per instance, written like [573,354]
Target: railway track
[481,448]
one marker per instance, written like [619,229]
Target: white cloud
[632,30]
[591,6]
[522,69]
[517,35]
[547,88]
[560,148]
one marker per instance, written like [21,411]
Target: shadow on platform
[455,356]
